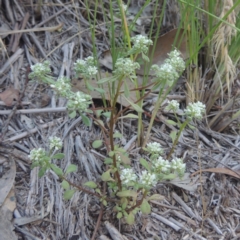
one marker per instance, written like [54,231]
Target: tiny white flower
[55,143]
[154,148]
[178,166]
[85,67]
[125,66]
[195,110]
[161,165]
[173,105]
[62,86]
[166,72]
[141,43]
[37,154]
[176,61]
[78,101]
[40,71]
[148,179]
[128,176]
[92,70]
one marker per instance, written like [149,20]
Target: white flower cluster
[166,72]
[148,179]
[195,110]
[78,101]
[62,86]
[171,69]
[37,154]
[55,143]
[40,70]
[178,166]
[161,165]
[128,176]
[126,67]
[141,43]
[86,67]
[173,105]
[154,148]
[176,61]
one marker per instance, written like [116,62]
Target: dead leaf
[7,180]
[220,170]
[163,47]
[187,183]
[27,121]
[9,96]
[79,85]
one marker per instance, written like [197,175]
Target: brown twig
[100,215]
[5,127]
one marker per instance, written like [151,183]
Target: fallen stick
[24,134]
[40,110]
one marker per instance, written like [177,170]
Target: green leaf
[72,114]
[130,219]
[89,86]
[169,176]
[58,156]
[107,114]
[104,202]
[111,153]
[42,172]
[99,123]
[156,197]
[56,169]
[100,90]
[97,143]
[34,164]
[171,122]
[135,106]
[130,115]
[119,215]
[145,164]
[145,207]
[71,168]
[86,120]
[145,57]
[127,193]
[108,79]
[173,135]
[126,90]
[68,194]
[90,184]
[106,176]
[124,158]
[98,112]
[65,185]
[117,135]
[108,161]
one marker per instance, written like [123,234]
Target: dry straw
[221,42]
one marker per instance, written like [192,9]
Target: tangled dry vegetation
[204,205]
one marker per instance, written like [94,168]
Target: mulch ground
[203,205]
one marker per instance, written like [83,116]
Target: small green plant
[129,190]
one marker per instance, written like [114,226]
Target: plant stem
[80,188]
[111,133]
[176,139]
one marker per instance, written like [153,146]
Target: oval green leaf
[65,185]
[56,169]
[145,207]
[97,143]
[90,184]
[71,168]
[68,194]
[58,156]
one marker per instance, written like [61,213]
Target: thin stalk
[176,139]
[111,133]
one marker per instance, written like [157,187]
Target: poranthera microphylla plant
[128,189]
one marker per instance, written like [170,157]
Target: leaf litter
[42,199]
